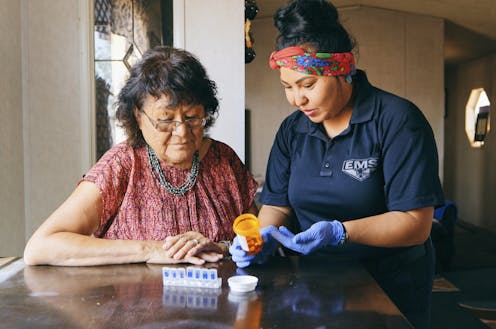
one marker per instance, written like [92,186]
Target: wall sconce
[477,123]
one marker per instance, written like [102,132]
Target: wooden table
[5,260]
[292,293]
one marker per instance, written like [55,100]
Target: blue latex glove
[242,259]
[319,235]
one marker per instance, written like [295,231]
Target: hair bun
[308,16]
[311,21]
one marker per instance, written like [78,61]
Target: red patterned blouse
[137,207]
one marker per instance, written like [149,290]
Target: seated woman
[168,194]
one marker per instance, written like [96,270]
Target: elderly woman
[168,194]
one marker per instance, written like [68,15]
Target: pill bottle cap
[246,224]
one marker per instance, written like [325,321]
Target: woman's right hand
[192,244]
[243,259]
[157,255]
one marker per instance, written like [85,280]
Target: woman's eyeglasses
[171,125]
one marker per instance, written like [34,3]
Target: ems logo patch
[360,169]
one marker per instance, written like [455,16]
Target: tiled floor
[465,294]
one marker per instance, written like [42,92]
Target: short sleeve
[275,190]
[410,160]
[111,175]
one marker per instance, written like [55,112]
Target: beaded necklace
[157,171]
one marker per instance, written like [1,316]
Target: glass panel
[124,29]
[109,79]
[477,112]
[110,47]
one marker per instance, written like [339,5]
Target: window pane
[124,29]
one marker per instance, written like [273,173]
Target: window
[123,31]
[477,113]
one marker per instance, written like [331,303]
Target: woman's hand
[157,255]
[243,259]
[191,245]
[319,235]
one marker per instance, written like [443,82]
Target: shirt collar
[306,126]
[363,109]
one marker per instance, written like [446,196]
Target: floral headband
[325,64]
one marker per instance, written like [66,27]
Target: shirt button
[327,165]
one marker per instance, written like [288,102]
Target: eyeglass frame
[174,123]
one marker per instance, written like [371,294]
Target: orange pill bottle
[247,228]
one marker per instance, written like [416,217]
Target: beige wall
[470,174]
[52,98]
[401,53]
[219,44]
[11,147]
[264,96]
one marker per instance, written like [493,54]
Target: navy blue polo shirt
[385,160]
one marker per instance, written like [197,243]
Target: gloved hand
[242,259]
[319,235]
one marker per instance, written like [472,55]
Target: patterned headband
[325,64]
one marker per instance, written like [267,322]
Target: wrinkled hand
[319,235]
[241,257]
[192,244]
[155,254]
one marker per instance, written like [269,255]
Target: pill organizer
[191,277]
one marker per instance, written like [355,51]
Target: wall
[401,53]
[213,31]
[264,96]
[52,106]
[11,147]
[470,174]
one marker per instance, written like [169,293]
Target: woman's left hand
[319,235]
[192,244]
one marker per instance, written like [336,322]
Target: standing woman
[355,165]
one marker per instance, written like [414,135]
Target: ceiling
[470,30]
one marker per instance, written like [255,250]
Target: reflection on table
[292,293]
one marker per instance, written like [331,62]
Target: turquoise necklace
[156,170]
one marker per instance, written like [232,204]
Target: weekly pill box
[191,277]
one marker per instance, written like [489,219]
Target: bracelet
[344,238]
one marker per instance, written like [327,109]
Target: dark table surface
[292,293]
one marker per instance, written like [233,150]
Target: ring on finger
[195,241]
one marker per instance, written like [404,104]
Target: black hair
[312,24]
[166,71]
